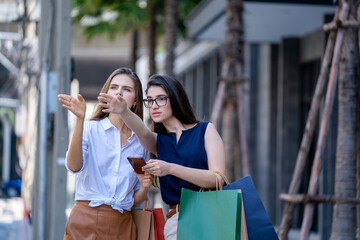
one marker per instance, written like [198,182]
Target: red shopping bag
[159,223]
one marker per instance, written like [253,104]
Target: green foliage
[126,16]
[185,7]
[129,16]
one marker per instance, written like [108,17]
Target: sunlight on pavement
[13,225]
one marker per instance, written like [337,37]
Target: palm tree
[171,22]
[110,18]
[128,16]
[230,94]
[344,215]
[152,11]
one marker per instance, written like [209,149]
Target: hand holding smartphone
[137,164]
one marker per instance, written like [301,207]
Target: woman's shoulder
[206,127]
[197,125]
[202,124]
[91,123]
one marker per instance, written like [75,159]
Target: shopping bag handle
[145,207]
[146,204]
[220,178]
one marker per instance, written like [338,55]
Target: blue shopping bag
[258,222]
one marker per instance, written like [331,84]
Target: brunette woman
[187,150]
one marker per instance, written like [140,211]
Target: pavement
[14,225]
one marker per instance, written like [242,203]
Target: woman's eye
[127,89]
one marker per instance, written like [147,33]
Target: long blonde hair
[137,109]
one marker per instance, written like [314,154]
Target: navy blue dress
[188,152]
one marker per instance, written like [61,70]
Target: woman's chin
[156,119]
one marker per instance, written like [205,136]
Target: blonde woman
[106,186]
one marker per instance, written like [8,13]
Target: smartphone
[137,164]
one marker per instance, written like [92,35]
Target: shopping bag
[258,222]
[244,233]
[144,224]
[149,223]
[159,223]
[210,215]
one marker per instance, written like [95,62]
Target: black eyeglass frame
[149,102]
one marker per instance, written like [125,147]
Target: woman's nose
[154,105]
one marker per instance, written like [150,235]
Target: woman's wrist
[80,119]
[144,187]
[171,168]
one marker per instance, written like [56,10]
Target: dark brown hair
[179,100]
[138,109]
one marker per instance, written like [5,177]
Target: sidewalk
[13,224]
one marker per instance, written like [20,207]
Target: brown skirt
[102,222]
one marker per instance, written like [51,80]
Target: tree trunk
[358,134]
[171,21]
[134,48]
[234,42]
[228,130]
[344,216]
[152,37]
[232,73]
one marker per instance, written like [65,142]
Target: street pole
[6,154]
[49,201]
[63,69]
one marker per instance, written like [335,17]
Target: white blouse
[106,176]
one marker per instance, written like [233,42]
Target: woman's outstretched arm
[116,104]
[78,107]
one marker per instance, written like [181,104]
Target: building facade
[284,46]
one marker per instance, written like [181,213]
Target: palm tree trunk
[344,216]
[134,47]
[152,37]
[358,136]
[171,21]
[228,130]
[232,73]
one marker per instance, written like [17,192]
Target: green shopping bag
[210,215]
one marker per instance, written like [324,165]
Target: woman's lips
[156,114]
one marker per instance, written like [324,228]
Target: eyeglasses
[160,101]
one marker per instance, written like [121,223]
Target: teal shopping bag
[210,215]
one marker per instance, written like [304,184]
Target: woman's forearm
[200,177]
[75,150]
[146,137]
[140,195]
[135,123]
[118,105]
